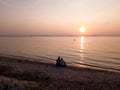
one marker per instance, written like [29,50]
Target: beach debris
[60,62]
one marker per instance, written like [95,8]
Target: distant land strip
[59,35]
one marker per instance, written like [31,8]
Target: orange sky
[59,17]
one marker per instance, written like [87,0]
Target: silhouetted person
[58,62]
[62,63]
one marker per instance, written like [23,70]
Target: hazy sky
[60,17]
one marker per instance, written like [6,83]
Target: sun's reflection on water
[82,43]
[81,49]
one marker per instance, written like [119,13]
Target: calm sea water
[91,52]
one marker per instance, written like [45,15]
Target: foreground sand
[22,74]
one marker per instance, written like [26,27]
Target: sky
[59,17]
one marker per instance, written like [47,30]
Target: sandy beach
[24,74]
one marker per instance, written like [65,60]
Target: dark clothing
[60,62]
[57,62]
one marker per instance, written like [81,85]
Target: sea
[95,52]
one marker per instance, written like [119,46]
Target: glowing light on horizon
[82,29]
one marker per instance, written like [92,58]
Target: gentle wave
[47,59]
[93,52]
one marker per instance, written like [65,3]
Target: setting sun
[82,29]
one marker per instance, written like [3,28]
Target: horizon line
[54,35]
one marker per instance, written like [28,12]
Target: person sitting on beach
[62,63]
[58,62]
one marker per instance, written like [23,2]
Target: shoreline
[46,76]
[41,61]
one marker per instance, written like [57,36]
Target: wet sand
[24,74]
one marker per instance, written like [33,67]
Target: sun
[82,29]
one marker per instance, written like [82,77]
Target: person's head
[61,58]
[58,57]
